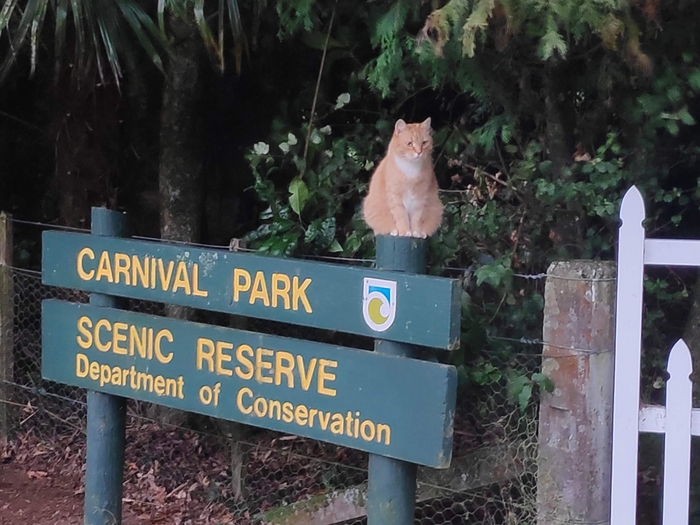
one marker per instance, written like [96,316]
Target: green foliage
[99,29]
[497,77]
[313,202]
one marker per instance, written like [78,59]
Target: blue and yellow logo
[379,303]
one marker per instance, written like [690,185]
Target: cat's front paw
[419,234]
[394,233]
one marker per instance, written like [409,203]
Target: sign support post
[106,417]
[391,494]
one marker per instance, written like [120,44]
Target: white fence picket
[678,420]
[679,405]
[628,345]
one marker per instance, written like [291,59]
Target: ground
[31,498]
[41,480]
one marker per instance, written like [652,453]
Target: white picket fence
[678,420]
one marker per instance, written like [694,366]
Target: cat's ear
[425,125]
[400,126]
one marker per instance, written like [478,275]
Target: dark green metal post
[106,418]
[391,494]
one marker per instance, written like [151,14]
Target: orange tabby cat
[403,193]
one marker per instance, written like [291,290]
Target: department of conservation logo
[379,303]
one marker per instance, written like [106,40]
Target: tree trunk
[560,118]
[180,171]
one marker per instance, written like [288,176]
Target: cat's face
[412,141]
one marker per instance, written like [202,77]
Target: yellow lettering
[312,414]
[324,376]
[105,374]
[239,400]
[116,378]
[222,357]
[301,414]
[85,276]
[153,274]
[81,365]
[259,290]
[282,369]
[104,268]
[323,418]
[159,385]
[299,294]
[136,341]
[387,433]
[261,365]
[94,370]
[180,386]
[182,280]
[145,381]
[83,324]
[337,424]
[308,374]
[170,387]
[102,347]
[164,333]
[367,430]
[272,406]
[204,355]
[165,277]
[280,291]
[260,407]
[287,412]
[139,272]
[238,285]
[248,374]
[121,267]
[118,337]
[195,283]
[149,344]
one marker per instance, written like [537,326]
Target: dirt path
[31,498]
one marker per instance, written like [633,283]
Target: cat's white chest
[410,202]
[409,168]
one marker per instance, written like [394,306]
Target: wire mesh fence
[194,469]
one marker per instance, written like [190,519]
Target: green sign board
[392,406]
[396,306]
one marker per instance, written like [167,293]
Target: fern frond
[478,20]
[552,41]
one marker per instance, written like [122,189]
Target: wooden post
[7,296]
[106,418]
[391,492]
[575,425]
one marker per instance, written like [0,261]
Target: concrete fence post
[575,424]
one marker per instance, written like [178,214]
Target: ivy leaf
[327,233]
[524,397]
[298,195]
[694,80]
[686,117]
[343,99]
[335,247]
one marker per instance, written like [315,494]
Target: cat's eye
[425,142]
[409,143]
